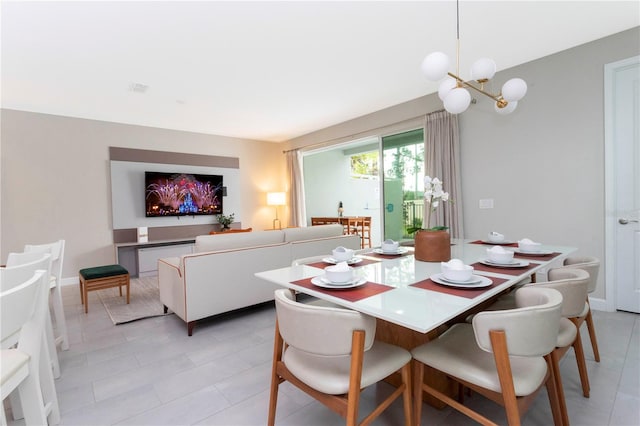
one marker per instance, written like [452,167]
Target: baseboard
[70,281]
[598,304]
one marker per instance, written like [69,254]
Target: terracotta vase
[432,246]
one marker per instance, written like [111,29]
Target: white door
[622,127]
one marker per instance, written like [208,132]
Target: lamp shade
[447,85]
[511,106]
[514,89]
[435,66]
[276,198]
[483,69]
[457,100]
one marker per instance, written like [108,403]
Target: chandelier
[453,90]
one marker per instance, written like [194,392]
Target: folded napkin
[339,267]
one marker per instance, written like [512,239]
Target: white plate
[484,282]
[349,262]
[401,250]
[513,264]
[533,253]
[321,281]
[501,243]
[473,280]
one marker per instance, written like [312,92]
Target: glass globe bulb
[511,106]
[435,66]
[483,69]
[447,85]
[457,100]
[514,89]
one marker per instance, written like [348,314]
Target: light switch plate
[486,203]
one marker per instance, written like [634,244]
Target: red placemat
[323,265]
[507,271]
[367,289]
[534,257]
[462,292]
[489,244]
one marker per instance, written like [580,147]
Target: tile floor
[150,372]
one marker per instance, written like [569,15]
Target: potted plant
[432,244]
[225,221]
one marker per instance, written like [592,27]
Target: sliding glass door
[403,172]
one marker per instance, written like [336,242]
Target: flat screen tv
[182,194]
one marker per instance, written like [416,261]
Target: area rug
[144,301]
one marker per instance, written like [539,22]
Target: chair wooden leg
[503,365]
[552,392]
[275,379]
[418,372]
[559,389]
[592,335]
[582,364]
[406,394]
[355,376]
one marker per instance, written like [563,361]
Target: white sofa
[219,276]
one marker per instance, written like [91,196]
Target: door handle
[624,221]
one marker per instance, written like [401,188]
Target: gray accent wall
[543,165]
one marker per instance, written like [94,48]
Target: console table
[141,259]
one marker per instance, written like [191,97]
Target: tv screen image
[181,194]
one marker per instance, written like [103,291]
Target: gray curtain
[296,188]
[442,160]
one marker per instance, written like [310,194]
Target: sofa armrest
[171,284]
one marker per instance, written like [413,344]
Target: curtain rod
[355,135]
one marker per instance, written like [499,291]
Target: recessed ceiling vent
[138,87]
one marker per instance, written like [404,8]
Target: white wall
[328,181]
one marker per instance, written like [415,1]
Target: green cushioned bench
[100,277]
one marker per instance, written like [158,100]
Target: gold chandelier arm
[498,98]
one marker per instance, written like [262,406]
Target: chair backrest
[57,256]
[572,284]
[319,330]
[531,329]
[586,263]
[23,266]
[23,309]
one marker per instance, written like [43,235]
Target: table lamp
[276,199]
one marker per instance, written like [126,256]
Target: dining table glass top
[398,288]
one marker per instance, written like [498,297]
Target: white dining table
[409,299]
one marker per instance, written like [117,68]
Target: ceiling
[266,70]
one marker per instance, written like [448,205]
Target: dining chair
[57,252]
[331,354]
[24,365]
[590,264]
[22,265]
[503,355]
[572,284]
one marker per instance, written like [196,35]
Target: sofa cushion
[312,232]
[216,242]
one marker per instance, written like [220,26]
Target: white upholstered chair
[592,266]
[24,365]
[331,354]
[57,252]
[504,355]
[572,284]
